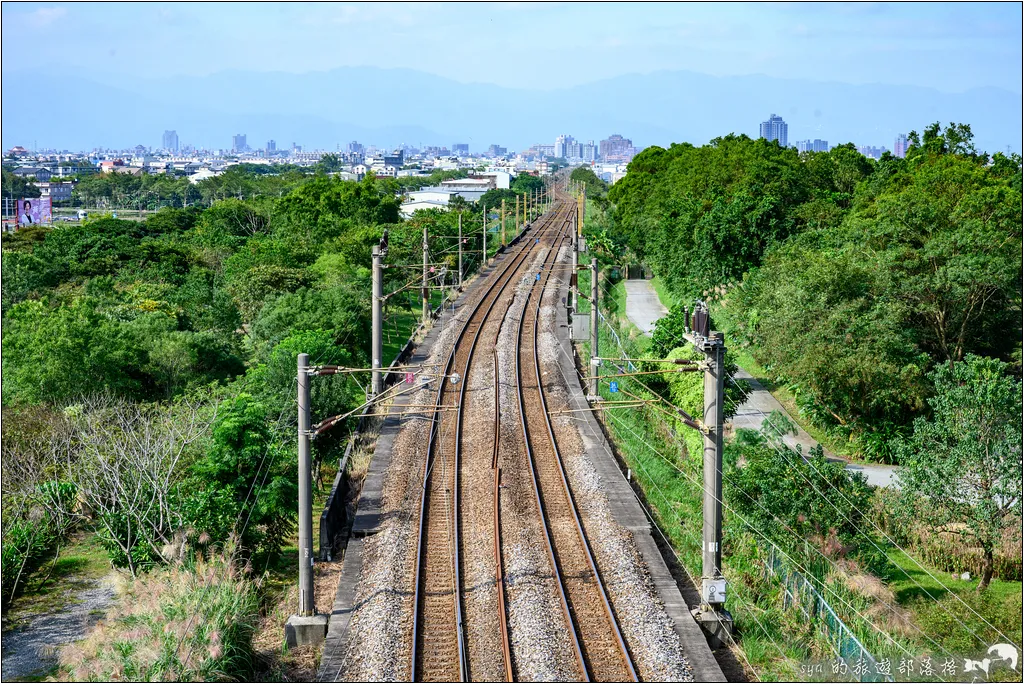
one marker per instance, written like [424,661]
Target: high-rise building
[872,151]
[496,151]
[815,145]
[616,148]
[562,145]
[460,149]
[589,151]
[396,159]
[171,141]
[271,146]
[775,129]
[356,147]
[238,143]
[899,148]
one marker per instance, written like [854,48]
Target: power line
[746,396]
[875,525]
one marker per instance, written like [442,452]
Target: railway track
[443,647]
[600,649]
[439,645]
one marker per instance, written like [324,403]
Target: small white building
[385,171]
[57,192]
[409,208]
[430,195]
[203,174]
[469,184]
[502,177]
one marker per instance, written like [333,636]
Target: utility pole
[579,217]
[426,290]
[517,214]
[503,243]
[376,318]
[484,262]
[460,251]
[306,605]
[593,328]
[305,627]
[711,615]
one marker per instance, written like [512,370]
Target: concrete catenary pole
[714,389]
[503,243]
[426,290]
[484,218]
[517,216]
[377,334]
[460,250]
[594,353]
[306,605]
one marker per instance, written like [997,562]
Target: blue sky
[949,46]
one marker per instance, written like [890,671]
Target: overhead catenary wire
[771,443]
[756,531]
[879,529]
[887,537]
[797,536]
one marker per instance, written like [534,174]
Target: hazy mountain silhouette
[391,106]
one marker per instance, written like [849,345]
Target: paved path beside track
[644,308]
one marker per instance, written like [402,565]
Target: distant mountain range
[391,106]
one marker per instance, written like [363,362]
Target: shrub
[781,493]
[27,540]
[245,481]
[192,622]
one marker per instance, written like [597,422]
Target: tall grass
[191,622]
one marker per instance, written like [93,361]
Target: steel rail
[504,277]
[585,544]
[556,572]
[499,560]
[461,403]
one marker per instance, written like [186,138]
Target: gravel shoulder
[30,651]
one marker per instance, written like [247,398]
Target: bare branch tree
[131,456]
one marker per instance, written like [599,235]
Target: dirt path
[30,650]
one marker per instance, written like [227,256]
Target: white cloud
[44,16]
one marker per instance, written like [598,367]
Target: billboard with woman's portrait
[35,210]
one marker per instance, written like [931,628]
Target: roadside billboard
[35,210]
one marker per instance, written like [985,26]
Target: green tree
[595,186]
[961,467]
[328,163]
[15,187]
[246,481]
[59,354]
